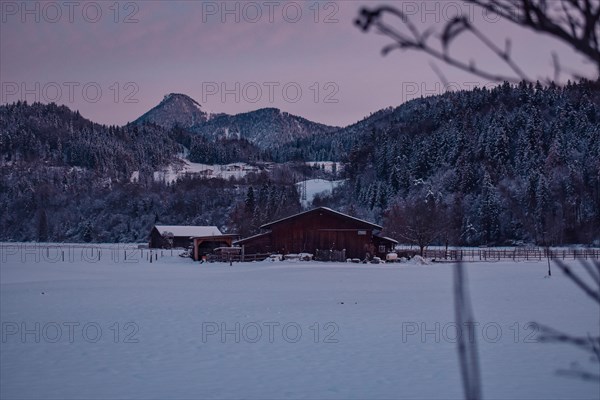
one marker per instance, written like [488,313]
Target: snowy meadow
[103,322]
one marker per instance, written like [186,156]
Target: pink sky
[50,52]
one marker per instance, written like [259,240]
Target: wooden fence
[515,254]
[330,255]
[236,257]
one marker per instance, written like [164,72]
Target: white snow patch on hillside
[327,166]
[224,171]
[346,328]
[315,187]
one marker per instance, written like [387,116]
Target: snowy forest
[508,165]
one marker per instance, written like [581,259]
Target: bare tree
[167,239]
[574,22]
[417,220]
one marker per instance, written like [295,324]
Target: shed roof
[389,239]
[327,210]
[189,230]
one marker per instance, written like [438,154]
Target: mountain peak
[179,97]
[175,109]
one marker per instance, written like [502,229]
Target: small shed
[170,236]
[204,245]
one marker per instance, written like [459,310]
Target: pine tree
[489,211]
[42,227]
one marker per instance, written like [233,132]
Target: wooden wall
[322,231]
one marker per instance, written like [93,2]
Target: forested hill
[515,163]
[55,136]
[512,163]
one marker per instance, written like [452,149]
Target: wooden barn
[318,230]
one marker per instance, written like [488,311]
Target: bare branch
[586,376]
[578,281]
[586,343]
[467,348]
[576,23]
[419,41]
[592,271]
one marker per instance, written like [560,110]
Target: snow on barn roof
[388,239]
[326,209]
[189,230]
[244,240]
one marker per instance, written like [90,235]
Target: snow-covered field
[116,328]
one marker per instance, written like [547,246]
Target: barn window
[382,248]
[362,233]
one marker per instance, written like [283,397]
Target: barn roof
[245,240]
[189,230]
[327,210]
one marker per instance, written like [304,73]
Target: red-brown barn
[319,229]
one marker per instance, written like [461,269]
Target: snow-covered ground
[236,170]
[315,187]
[223,171]
[116,328]
[327,166]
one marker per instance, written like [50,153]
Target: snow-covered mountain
[266,127]
[514,163]
[175,110]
